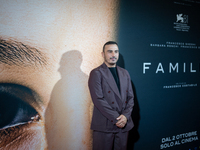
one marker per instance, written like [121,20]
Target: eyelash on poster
[15,111]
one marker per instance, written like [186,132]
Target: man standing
[112,95]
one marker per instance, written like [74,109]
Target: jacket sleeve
[96,92]
[130,99]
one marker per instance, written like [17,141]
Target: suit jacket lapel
[110,79]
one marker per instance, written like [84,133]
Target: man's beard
[110,63]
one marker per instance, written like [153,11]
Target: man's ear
[102,53]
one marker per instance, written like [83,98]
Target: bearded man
[112,95]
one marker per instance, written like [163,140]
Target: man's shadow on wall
[67,116]
[133,133]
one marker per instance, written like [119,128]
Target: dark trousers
[110,141]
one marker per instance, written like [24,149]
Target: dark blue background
[160,112]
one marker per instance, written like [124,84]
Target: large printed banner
[160,47]
[49,47]
[47,50]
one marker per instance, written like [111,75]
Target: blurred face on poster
[47,49]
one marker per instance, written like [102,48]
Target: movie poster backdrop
[160,47]
[49,47]
[47,50]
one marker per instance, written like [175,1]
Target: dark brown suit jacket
[108,102]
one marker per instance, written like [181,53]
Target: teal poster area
[160,47]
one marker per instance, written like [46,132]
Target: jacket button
[125,101]
[112,102]
[126,91]
[111,120]
[108,91]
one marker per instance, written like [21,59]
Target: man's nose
[113,53]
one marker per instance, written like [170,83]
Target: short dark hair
[109,43]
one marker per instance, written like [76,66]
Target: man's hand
[122,120]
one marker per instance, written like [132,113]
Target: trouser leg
[120,141]
[102,140]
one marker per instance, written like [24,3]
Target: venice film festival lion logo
[180,18]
